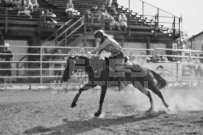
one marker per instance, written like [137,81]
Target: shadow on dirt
[76,127]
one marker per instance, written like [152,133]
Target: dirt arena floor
[48,112]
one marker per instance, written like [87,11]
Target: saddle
[98,64]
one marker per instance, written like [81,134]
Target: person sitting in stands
[18,4]
[123,21]
[102,8]
[88,15]
[26,11]
[113,11]
[69,8]
[114,24]
[115,3]
[108,3]
[35,5]
[94,8]
[110,20]
[50,18]
[28,4]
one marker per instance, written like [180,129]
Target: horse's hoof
[167,106]
[97,114]
[149,110]
[73,105]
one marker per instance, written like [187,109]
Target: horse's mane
[78,57]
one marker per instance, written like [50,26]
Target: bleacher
[10,20]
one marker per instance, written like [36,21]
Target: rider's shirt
[109,45]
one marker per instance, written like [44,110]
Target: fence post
[6,21]
[157,17]
[85,25]
[65,38]
[180,20]
[129,20]
[174,25]
[177,71]
[143,8]
[41,64]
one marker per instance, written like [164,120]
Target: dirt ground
[48,112]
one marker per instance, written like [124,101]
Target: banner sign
[166,70]
[178,72]
[190,72]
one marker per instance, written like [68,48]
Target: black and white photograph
[101,67]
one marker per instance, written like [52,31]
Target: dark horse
[99,75]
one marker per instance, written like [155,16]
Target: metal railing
[44,75]
[63,32]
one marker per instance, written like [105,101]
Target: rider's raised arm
[100,48]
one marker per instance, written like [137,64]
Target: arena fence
[40,68]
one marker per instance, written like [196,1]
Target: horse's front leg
[102,96]
[85,87]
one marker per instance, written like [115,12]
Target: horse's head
[97,64]
[74,63]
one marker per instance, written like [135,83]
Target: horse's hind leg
[102,96]
[85,87]
[145,91]
[157,92]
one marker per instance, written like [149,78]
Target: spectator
[123,21]
[50,18]
[7,57]
[26,11]
[28,4]
[43,19]
[110,20]
[108,3]
[88,15]
[114,24]
[94,8]
[58,66]
[113,11]
[69,8]
[102,8]
[35,5]
[115,3]
[18,4]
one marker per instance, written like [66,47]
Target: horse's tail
[161,81]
